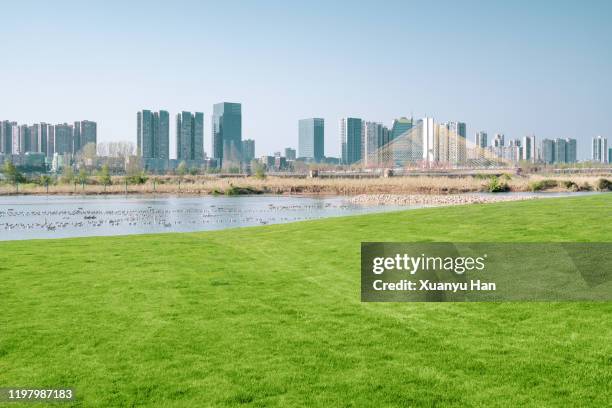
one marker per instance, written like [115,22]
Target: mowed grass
[271,316]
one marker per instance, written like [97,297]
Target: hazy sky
[516,67]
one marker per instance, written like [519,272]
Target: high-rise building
[290,153]
[6,136]
[248,150]
[76,137]
[374,134]
[64,134]
[401,126]
[351,139]
[599,149]
[227,133]
[42,138]
[499,140]
[88,133]
[153,134]
[570,150]
[190,136]
[311,139]
[529,148]
[50,141]
[548,151]
[481,139]
[560,150]
[17,140]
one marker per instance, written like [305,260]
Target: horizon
[542,63]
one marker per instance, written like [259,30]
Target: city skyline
[550,78]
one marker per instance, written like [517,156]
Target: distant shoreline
[422,185]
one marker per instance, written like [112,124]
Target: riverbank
[210,185]
[434,199]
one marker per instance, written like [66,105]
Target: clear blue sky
[516,67]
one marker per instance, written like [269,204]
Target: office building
[290,153]
[6,137]
[311,139]
[599,150]
[190,136]
[153,134]
[248,150]
[351,139]
[227,133]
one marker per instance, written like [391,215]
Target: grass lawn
[270,316]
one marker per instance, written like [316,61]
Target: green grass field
[270,316]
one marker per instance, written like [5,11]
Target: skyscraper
[88,133]
[570,150]
[373,141]
[42,138]
[153,134]
[599,149]
[560,150]
[76,137]
[227,133]
[311,139]
[6,137]
[529,148]
[64,133]
[548,151]
[481,139]
[499,140]
[190,136]
[351,139]
[248,150]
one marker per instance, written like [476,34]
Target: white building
[600,149]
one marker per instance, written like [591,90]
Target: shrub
[603,184]
[585,187]
[233,191]
[570,185]
[543,185]
[137,179]
[495,186]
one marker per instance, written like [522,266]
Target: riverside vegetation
[271,316]
[140,183]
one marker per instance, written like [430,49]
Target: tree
[181,170]
[11,173]
[259,170]
[45,180]
[104,175]
[82,177]
[67,175]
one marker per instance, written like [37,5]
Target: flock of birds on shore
[155,219]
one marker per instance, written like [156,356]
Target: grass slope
[270,316]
